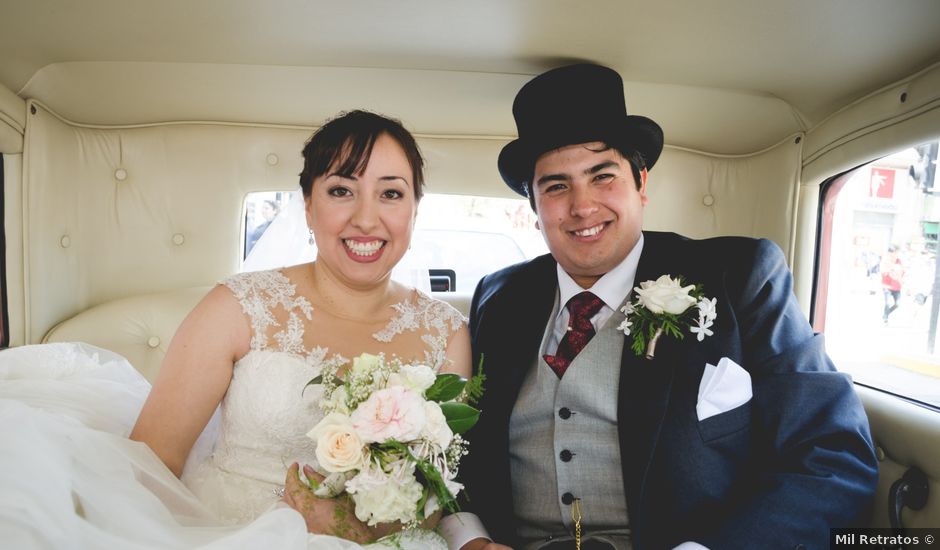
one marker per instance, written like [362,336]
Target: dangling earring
[310,241]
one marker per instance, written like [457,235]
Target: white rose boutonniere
[665,306]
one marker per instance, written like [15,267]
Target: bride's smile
[364,249]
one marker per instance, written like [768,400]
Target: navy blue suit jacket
[776,472]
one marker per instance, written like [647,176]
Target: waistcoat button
[567,498]
[565,455]
[564,413]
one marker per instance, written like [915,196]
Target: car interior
[132,133]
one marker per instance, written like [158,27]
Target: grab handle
[911,491]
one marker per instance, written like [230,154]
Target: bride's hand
[328,516]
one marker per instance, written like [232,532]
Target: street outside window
[878,296]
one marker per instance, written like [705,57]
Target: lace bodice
[266,411]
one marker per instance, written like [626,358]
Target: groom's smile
[591,232]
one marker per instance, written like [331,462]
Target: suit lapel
[529,323]
[645,386]
[519,323]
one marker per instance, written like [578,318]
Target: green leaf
[313,381]
[460,417]
[639,344]
[421,503]
[473,391]
[669,327]
[436,483]
[446,387]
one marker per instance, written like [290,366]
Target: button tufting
[153,341]
[272,159]
[120,174]
[179,239]
[65,241]
[708,200]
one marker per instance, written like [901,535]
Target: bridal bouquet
[391,439]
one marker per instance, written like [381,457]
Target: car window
[878,297]
[474,235]
[471,235]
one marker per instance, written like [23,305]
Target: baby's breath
[458,448]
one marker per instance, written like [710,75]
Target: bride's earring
[310,240]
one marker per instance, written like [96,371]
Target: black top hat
[568,105]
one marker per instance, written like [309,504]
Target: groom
[741,434]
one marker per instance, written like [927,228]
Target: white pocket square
[722,388]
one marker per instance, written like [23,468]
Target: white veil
[286,242]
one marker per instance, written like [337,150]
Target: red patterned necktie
[580,331]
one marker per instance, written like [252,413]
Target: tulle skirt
[70,477]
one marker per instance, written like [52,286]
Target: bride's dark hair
[345,142]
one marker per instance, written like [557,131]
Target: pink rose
[394,413]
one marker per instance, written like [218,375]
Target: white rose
[416,378]
[665,295]
[339,448]
[435,426]
[385,498]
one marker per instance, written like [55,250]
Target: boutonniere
[665,306]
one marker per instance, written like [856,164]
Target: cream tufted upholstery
[117,219]
[139,328]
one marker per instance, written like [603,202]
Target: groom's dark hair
[344,145]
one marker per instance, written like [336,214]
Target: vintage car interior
[132,133]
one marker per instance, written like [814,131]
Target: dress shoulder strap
[439,315]
[260,293]
[434,319]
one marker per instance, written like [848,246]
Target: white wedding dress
[70,478]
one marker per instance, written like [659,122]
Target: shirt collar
[612,287]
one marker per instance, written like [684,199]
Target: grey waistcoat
[551,455]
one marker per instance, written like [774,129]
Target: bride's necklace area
[383,319]
[326,302]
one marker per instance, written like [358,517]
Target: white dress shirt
[611,288]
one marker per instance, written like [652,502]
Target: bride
[248,348]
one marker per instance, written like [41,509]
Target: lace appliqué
[438,318]
[262,291]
